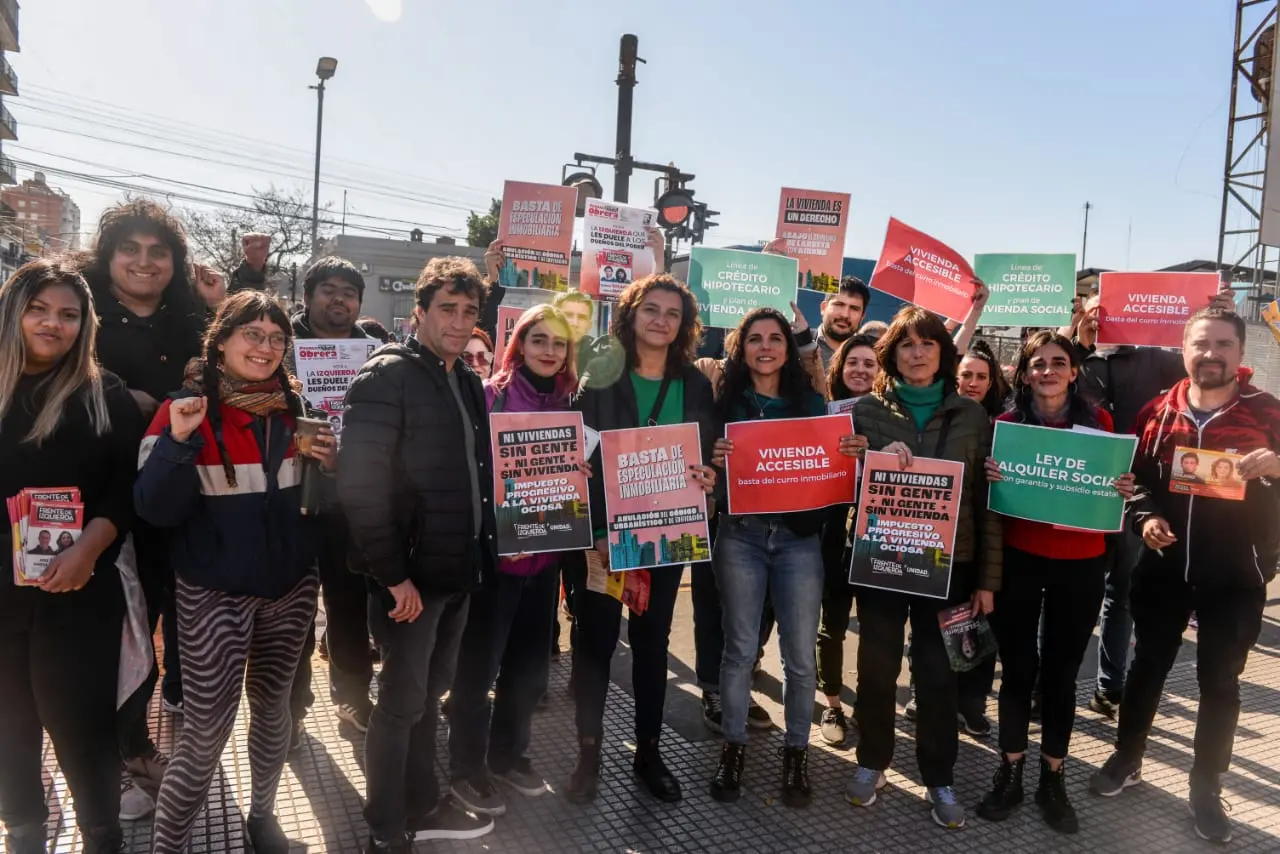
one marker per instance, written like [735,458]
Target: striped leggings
[225,642]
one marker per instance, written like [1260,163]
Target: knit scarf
[256,398]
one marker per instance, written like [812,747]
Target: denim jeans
[708,626]
[752,555]
[507,639]
[1116,629]
[418,662]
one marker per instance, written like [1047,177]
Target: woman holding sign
[1059,570]
[509,625]
[915,410]
[764,378]
[656,322]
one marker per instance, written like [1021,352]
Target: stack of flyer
[44,522]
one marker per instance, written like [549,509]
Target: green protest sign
[1062,477]
[728,283]
[1027,290]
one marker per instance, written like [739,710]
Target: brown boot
[584,782]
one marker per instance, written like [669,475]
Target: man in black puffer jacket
[418,497]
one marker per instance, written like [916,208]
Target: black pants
[598,621]
[418,662]
[1229,619]
[1070,593]
[573,575]
[59,656]
[708,628]
[882,619]
[346,625]
[507,639]
[832,627]
[975,685]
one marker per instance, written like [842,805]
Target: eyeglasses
[474,359]
[257,338]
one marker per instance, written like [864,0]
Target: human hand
[1259,463]
[585,468]
[602,549]
[408,602]
[1156,533]
[905,459]
[982,602]
[68,571]
[657,244]
[1224,299]
[853,446]
[209,284]
[992,468]
[799,323]
[493,260]
[981,293]
[777,246]
[324,449]
[704,476]
[185,416]
[723,448]
[1126,484]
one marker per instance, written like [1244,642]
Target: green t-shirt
[647,395]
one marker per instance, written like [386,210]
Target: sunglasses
[477,358]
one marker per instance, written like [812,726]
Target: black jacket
[1127,379]
[149,353]
[245,278]
[614,408]
[404,482]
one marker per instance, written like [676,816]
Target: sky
[987,124]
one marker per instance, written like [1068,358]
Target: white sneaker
[134,803]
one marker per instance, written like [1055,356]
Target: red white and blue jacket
[1220,543]
[244,538]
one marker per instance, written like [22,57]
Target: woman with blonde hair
[64,423]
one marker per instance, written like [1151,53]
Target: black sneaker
[28,839]
[757,717]
[450,820]
[265,835]
[833,726]
[1006,791]
[909,711]
[1104,705]
[726,785]
[1208,813]
[712,712]
[479,795]
[652,771]
[973,720]
[795,777]
[1051,796]
[1117,774]
[403,845]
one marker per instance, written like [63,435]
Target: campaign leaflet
[967,637]
[32,552]
[814,224]
[540,492]
[631,588]
[536,233]
[326,367]
[924,271]
[785,465]
[1150,309]
[839,407]
[1206,474]
[656,511]
[616,251]
[906,527]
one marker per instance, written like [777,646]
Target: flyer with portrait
[326,367]
[906,528]
[616,251]
[1206,474]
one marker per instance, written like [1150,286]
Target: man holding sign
[1208,555]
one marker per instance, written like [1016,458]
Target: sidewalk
[320,794]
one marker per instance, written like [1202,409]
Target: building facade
[46,216]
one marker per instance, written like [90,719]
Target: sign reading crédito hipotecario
[814,225]
[536,232]
[1027,290]
[924,271]
[785,465]
[1150,309]
[728,283]
[616,249]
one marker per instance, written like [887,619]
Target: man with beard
[332,291]
[842,314]
[1209,556]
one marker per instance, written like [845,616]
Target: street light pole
[325,69]
[627,59]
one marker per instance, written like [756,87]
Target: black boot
[653,772]
[1006,790]
[26,839]
[795,776]
[726,785]
[101,840]
[584,782]
[1052,798]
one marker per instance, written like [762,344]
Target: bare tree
[284,214]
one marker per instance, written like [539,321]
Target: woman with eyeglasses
[479,353]
[219,468]
[63,423]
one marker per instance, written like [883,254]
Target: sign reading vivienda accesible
[1150,309]
[785,465]
[1027,290]
[924,271]
[729,283]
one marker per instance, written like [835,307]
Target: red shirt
[1053,541]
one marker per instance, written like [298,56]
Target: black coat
[1127,379]
[614,408]
[149,353]
[403,480]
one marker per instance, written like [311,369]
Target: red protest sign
[1150,309]
[508,315]
[785,465]
[926,272]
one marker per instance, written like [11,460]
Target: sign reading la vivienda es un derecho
[729,283]
[539,490]
[814,224]
[1060,477]
[906,527]
[1027,290]
[785,465]
[656,511]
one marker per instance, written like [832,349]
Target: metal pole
[1084,246]
[315,198]
[626,88]
[344,211]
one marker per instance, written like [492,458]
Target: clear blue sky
[986,123]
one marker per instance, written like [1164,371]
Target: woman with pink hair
[507,644]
